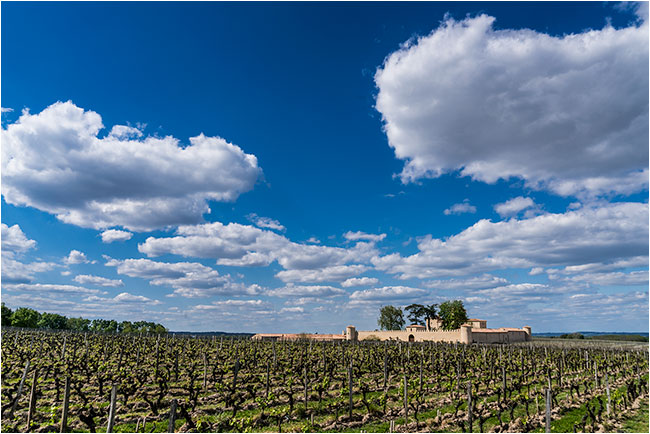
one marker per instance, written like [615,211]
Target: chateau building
[474,331]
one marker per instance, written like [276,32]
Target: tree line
[451,313]
[30,318]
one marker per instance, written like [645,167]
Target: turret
[351,333]
[466,334]
[529,334]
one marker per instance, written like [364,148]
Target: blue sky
[350,155]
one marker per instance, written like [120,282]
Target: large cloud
[14,271]
[569,113]
[56,162]
[244,245]
[606,234]
[386,294]
[327,274]
[189,279]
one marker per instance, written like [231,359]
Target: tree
[415,313]
[418,313]
[104,326]
[25,317]
[430,311]
[78,324]
[452,314]
[391,318]
[159,329]
[126,327]
[52,321]
[6,315]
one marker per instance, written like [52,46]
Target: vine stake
[111,412]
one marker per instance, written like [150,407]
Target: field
[188,384]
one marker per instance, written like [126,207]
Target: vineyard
[63,382]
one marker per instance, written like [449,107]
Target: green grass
[638,422]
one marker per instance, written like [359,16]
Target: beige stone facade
[474,331]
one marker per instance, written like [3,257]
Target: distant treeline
[29,318]
[629,338]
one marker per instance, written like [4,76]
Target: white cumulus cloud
[14,271]
[360,281]
[125,297]
[470,283]
[88,279]
[386,294]
[513,206]
[604,234]
[112,235]
[14,245]
[76,257]
[356,236]
[56,162]
[565,113]
[245,245]
[47,287]
[189,279]
[266,222]
[14,240]
[306,291]
[461,208]
[327,274]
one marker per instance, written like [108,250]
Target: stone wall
[491,336]
[403,335]
[466,335]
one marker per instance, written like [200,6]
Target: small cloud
[536,270]
[125,132]
[356,236]
[76,257]
[316,291]
[360,281]
[313,240]
[54,288]
[125,297]
[296,309]
[6,109]
[265,222]
[115,235]
[514,206]
[460,208]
